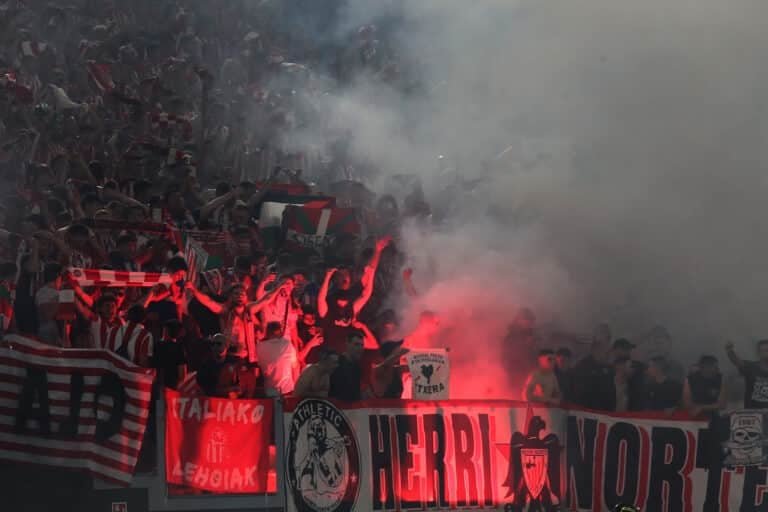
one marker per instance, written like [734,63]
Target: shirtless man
[541,385]
[315,380]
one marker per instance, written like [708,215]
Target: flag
[216,444]
[117,278]
[317,228]
[271,212]
[430,373]
[215,244]
[72,408]
[197,259]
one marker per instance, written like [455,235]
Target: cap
[623,343]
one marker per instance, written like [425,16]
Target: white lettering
[189,471]
[201,478]
[229,413]
[242,408]
[181,403]
[216,478]
[257,413]
[194,410]
[237,479]
[250,476]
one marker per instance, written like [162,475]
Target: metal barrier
[157,489]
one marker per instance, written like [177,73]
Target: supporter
[387,375]
[169,358]
[704,389]
[238,317]
[278,361]
[631,370]
[217,377]
[519,348]
[541,384]
[315,379]
[339,308]
[132,340]
[660,392]
[346,379]
[593,378]
[564,373]
[755,374]
[169,302]
[47,300]
[283,309]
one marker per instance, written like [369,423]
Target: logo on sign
[119,506]
[534,469]
[323,463]
[215,448]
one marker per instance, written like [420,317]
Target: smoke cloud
[621,151]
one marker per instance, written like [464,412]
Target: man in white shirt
[278,361]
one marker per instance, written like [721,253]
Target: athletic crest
[533,477]
[323,461]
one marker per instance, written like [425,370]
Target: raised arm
[369,340]
[257,306]
[316,341]
[322,295]
[369,275]
[86,311]
[261,291]
[79,292]
[735,359]
[212,205]
[215,307]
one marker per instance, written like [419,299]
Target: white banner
[430,373]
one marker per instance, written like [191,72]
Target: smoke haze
[632,187]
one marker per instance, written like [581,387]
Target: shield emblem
[534,462]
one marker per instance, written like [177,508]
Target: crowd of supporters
[609,377]
[128,128]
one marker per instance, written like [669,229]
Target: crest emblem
[323,460]
[534,462]
[533,477]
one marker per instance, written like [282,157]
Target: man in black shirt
[703,392]
[660,392]
[346,379]
[168,357]
[593,380]
[755,374]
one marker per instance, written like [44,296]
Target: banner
[393,455]
[117,278]
[216,444]
[430,373]
[747,443]
[72,408]
[216,244]
[197,259]
[317,228]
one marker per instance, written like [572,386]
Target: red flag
[217,444]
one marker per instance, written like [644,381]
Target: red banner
[217,445]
